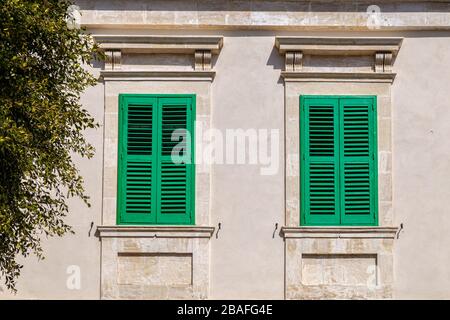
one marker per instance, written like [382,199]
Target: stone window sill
[339,232]
[154,232]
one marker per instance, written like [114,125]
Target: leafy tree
[41,125]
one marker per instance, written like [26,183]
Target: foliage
[41,125]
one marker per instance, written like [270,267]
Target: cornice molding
[288,15]
[338,45]
[159,44]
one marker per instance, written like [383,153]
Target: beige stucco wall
[421,167]
[247,92]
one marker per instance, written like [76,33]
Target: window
[155,169]
[338,165]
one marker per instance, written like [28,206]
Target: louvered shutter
[358,161]
[175,179]
[136,170]
[319,161]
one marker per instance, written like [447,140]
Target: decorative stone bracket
[202,60]
[383,61]
[201,49]
[296,49]
[113,59]
[294,61]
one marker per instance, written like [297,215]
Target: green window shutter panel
[338,183]
[319,163]
[175,168]
[358,164]
[155,172]
[136,169]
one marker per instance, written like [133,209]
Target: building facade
[312,160]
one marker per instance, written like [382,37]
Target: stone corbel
[202,59]
[294,61]
[383,61]
[113,59]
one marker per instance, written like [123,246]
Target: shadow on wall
[276,61]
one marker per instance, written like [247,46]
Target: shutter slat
[322,185]
[356,183]
[355,130]
[173,188]
[140,128]
[139,173]
[174,117]
[321,131]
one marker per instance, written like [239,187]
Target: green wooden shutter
[319,161]
[175,180]
[358,165]
[338,160]
[136,167]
